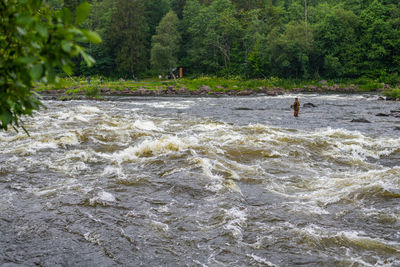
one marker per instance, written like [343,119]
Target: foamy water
[203,182]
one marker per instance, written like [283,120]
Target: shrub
[368,84]
[394,93]
[93,91]
[392,79]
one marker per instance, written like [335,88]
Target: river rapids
[137,181]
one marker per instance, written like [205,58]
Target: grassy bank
[81,86]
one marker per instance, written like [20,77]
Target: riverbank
[206,86]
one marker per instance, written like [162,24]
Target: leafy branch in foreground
[34,40]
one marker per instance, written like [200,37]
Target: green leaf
[25,60]
[66,46]
[25,19]
[42,31]
[5,118]
[82,12]
[36,72]
[21,30]
[92,37]
[88,59]
[67,16]
[67,69]
[35,4]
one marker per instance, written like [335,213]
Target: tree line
[303,39]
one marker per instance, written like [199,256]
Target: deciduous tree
[34,40]
[165,44]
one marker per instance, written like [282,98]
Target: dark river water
[203,182]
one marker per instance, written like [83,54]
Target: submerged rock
[243,109]
[360,120]
[382,115]
[309,105]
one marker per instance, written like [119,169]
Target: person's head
[296,99]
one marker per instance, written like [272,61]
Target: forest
[302,39]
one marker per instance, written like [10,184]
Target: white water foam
[150,147]
[235,220]
[146,125]
[261,260]
[103,198]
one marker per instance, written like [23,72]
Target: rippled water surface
[203,182]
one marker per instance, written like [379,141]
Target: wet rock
[105,91]
[158,92]
[194,92]
[360,120]
[245,93]
[243,109]
[142,91]
[125,91]
[204,89]
[397,128]
[231,92]
[182,91]
[169,90]
[381,98]
[271,93]
[382,115]
[310,88]
[309,105]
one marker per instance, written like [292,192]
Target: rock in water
[309,105]
[360,120]
[243,108]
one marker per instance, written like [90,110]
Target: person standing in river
[296,107]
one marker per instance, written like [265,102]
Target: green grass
[79,85]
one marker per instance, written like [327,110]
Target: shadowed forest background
[303,39]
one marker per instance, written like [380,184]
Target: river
[174,181]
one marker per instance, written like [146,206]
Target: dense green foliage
[165,44]
[34,42]
[303,39]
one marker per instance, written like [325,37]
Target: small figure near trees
[88,79]
[101,79]
[296,107]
